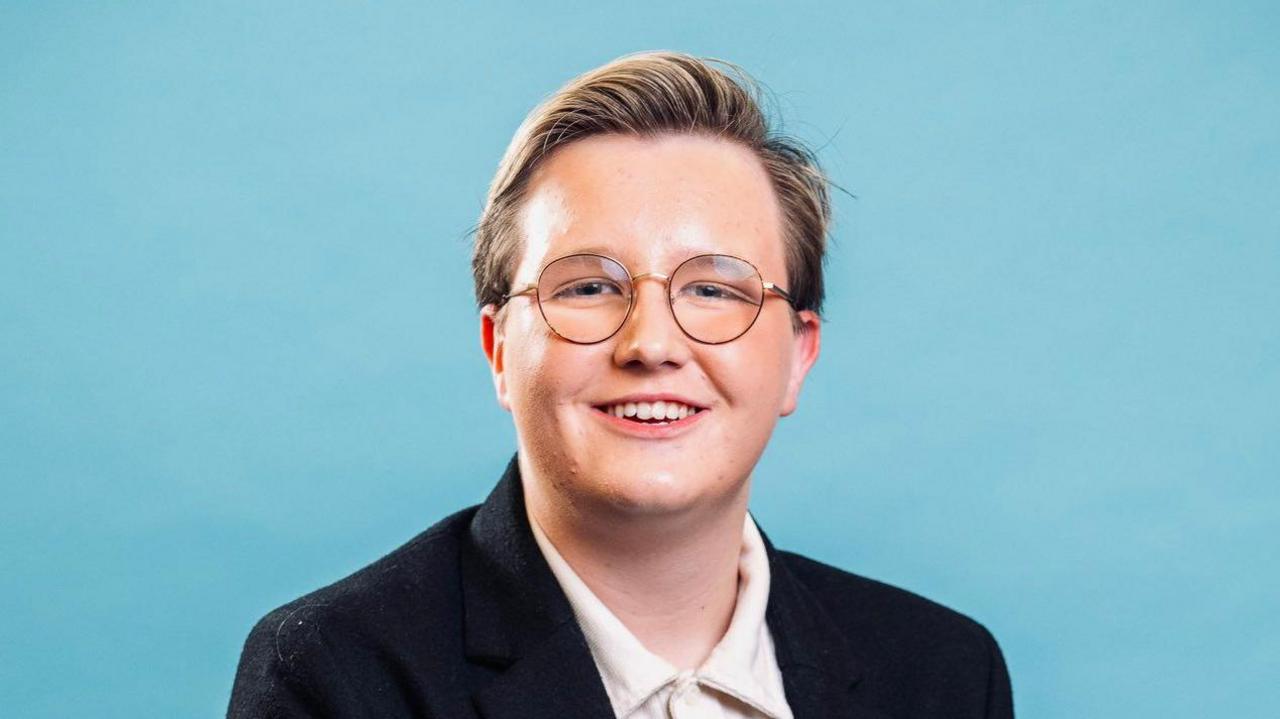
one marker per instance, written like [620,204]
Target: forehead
[651,203]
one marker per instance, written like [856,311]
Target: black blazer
[467,620]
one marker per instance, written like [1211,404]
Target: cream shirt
[740,679]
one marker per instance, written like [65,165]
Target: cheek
[755,373]
[543,372]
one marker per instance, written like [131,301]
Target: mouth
[657,412]
[650,417]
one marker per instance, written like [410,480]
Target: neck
[671,579]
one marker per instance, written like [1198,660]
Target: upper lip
[652,397]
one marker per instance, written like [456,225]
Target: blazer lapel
[518,621]
[519,624]
[819,671]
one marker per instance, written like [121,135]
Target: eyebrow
[589,250]
[688,250]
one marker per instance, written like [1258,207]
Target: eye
[712,292]
[587,288]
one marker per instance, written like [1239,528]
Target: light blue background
[240,358]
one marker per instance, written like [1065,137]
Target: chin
[653,491]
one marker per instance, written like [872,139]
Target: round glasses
[586,298]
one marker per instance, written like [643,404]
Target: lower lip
[645,430]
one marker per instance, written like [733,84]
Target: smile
[652,412]
[649,418]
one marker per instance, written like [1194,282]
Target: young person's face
[650,204]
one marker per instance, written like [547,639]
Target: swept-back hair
[650,94]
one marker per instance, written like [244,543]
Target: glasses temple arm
[780,292]
[523,291]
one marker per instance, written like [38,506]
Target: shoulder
[908,644]
[376,597]
[883,610]
[405,606]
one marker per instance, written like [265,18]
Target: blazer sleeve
[287,672]
[999,691]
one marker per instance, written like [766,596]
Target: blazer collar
[518,621]
[818,669]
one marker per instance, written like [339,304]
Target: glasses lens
[584,298]
[716,298]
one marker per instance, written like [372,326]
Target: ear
[805,344]
[491,341]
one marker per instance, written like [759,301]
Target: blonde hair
[650,94]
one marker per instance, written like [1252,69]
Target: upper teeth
[662,409]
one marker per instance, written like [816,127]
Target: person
[649,271]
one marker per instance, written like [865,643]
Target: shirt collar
[742,664]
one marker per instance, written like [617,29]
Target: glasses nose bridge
[630,323]
[664,279]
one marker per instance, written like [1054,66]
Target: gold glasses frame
[765,288]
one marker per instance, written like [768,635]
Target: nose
[650,338]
